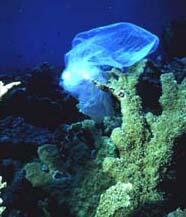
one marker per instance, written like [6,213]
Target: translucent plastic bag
[117,45]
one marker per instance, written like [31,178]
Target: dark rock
[9,168]
[40,100]
[149,88]
[20,140]
[178,67]
[21,196]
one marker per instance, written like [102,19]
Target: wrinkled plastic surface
[117,45]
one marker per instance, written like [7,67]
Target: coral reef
[145,141]
[49,170]
[123,167]
[116,197]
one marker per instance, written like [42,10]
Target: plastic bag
[118,45]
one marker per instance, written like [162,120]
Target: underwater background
[38,31]
[93,108]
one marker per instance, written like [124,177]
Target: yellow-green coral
[49,155]
[92,181]
[36,175]
[42,172]
[114,198]
[145,141]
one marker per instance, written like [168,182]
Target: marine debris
[117,45]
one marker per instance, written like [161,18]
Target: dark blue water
[34,31]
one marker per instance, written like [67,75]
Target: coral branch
[145,141]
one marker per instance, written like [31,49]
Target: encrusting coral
[144,141]
[114,198]
[49,168]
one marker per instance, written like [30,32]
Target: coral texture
[145,142]
[114,198]
[48,170]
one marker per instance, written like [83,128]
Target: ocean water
[41,31]
[92,108]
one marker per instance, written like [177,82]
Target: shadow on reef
[20,140]
[174,183]
[149,88]
[39,100]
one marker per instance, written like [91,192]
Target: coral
[110,123]
[82,169]
[85,196]
[36,175]
[49,155]
[113,199]
[49,168]
[144,141]
[177,213]
[90,181]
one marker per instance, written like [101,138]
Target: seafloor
[56,162]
